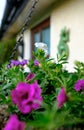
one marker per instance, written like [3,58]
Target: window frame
[39,28]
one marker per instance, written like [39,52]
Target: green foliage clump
[6,48]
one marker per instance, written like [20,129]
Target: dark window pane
[46,37]
[37,37]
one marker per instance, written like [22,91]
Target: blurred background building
[49,17]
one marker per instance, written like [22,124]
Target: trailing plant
[6,48]
[46,97]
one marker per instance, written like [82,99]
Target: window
[41,33]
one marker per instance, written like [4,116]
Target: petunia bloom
[17,63]
[62,97]
[42,46]
[30,76]
[24,62]
[14,63]
[27,97]
[79,85]
[14,124]
[36,62]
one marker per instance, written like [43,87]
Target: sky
[2,7]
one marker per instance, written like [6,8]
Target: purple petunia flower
[27,97]
[24,62]
[16,63]
[30,76]
[36,62]
[79,85]
[14,124]
[62,97]
[9,66]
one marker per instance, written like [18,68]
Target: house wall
[27,45]
[69,14]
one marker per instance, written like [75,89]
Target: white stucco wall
[27,45]
[71,15]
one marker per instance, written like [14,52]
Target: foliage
[6,48]
[59,102]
